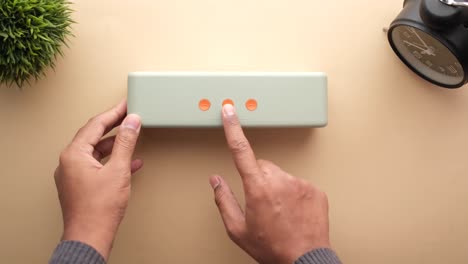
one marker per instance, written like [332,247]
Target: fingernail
[228,110]
[132,121]
[215,182]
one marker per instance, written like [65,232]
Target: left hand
[93,195]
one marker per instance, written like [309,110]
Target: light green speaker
[195,99]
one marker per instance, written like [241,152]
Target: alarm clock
[431,38]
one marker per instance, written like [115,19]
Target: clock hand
[419,37]
[414,45]
[427,51]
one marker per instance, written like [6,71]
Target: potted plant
[32,33]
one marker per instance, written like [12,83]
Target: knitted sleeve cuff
[75,252]
[319,256]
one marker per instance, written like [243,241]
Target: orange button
[204,104]
[251,104]
[228,101]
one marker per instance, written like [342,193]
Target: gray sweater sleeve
[75,252]
[319,256]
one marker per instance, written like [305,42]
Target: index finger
[98,126]
[242,153]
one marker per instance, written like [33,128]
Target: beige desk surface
[394,158]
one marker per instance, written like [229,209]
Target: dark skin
[284,216]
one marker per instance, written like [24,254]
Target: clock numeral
[442,69]
[417,54]
[452,69]
[429,63]
[406,34]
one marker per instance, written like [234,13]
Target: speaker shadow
[189,138]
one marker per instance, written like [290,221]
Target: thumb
[125,141]
[228,206]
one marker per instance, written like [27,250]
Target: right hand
[285,217]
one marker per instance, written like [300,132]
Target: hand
[285,217]
[94,196]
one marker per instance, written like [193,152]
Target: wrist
[100,237]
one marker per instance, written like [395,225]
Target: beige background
[393,159]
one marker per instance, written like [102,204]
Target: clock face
[428,56]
